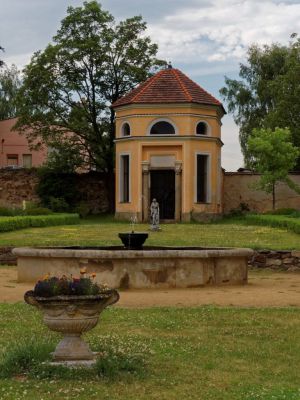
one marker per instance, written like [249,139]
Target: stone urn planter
[72,315]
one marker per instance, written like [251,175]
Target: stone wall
[16,186]
[20,184]
[238,188]
[280,260]
[6,256]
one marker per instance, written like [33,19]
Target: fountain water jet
[133,240]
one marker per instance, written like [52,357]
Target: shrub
[58,204]
[31,209]
[241,210]
[14,223]
[10,212]
[30,204]
[56,185]
[83,210]
[282,211]
[276,221]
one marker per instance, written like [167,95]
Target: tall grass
[24,356]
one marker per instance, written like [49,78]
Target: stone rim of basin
[179,252]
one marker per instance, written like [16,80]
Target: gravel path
[265,289]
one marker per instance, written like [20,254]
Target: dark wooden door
[163,190]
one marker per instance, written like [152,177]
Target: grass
[104,231]
[160,353]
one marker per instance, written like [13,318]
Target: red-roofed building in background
[168,147]
[15,151]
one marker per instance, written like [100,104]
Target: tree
[10,83]
[1,61]
[268,96]
[68,88]
[274,155]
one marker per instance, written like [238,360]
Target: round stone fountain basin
[152,267]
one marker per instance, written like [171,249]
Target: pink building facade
[14,148]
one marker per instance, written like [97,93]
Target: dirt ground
[265,289]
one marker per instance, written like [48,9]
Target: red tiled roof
[168,86]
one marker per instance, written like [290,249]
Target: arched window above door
[162,127]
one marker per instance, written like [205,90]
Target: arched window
[125,130]
[162,128]
[202,128]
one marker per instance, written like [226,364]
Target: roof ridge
[200,87]
[146,85]
[190,98]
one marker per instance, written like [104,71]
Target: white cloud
[20,59]
[221,30]
[232,158]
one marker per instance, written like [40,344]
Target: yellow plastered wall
[184,146]
[189,204]
[184,117]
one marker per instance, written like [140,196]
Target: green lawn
[104,231]
[196,353]
[203,353]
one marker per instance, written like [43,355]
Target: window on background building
[124,178]
[202,128]
[125,129]
[202,178]
[12,160]
[162,128]
[27,160]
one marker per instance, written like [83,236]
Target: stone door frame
[146,168]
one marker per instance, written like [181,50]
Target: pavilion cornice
[174,138]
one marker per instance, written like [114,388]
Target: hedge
[276,221]
[14,223]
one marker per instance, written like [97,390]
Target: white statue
[154,215]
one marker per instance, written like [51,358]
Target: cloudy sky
[206,39]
